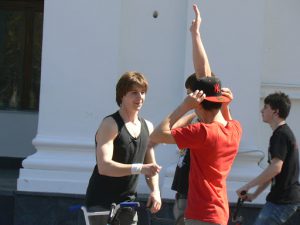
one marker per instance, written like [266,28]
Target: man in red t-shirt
[213,145]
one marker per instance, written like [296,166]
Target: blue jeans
[275,214]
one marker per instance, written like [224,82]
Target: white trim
[292,90]
[53,142]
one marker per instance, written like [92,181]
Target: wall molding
[292,90]
[58,142]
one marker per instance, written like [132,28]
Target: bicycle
[112,213]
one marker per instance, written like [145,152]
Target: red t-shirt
[213,148]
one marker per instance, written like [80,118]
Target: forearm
[162,133]
[185,120]
[114,169]
[154,199]
[170,121]
[226,112]
[153,183]
[265,177]
[200,59]
[261,188]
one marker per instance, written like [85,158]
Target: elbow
[277,170]
[157,139]
[103,169]
[154,138]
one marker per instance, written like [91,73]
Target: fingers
[227,92]
[196,10]
[151,170]
[198,95]
[195,22]
[154,202]
[155,207]
[242,193]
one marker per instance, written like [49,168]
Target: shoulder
[149,126]
[284,133]
[192,128]
[107,126]
[109,120]
[236,124]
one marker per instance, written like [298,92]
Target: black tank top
[103,190]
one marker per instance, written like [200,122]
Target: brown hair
[127,82]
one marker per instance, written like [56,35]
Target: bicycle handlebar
[235,218]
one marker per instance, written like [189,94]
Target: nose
[140,94]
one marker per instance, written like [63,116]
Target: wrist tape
[136,168]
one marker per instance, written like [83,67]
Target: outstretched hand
[150,169]
[194,28]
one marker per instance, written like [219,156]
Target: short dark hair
[279,101]
[207,105]
[127,82]
[189,82]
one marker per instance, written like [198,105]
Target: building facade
[252,46]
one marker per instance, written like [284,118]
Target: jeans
[275,214]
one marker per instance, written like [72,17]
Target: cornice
[292,90]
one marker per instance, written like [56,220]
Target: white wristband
[136,168]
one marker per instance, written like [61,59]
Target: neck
[213,116]
[277,124]
[128,116]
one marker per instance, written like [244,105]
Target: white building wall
[281,54]
[86,47]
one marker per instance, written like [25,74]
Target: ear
[276,112]
[199,109]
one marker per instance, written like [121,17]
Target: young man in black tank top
[123,152]
[283,170]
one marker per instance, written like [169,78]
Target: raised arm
[185,120]
[162,133]
[200,59]
[154,200]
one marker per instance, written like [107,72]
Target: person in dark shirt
[283,170]
[122,153]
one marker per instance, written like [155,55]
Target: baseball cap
[211,86]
